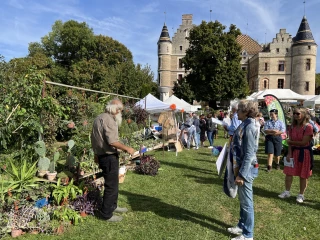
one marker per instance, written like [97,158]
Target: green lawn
[185,201]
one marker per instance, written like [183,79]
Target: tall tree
[213,60]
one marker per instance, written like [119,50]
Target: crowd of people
[243,130]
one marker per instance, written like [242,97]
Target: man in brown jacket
[105,143]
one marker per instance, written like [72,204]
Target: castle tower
[164,63]
[304,51]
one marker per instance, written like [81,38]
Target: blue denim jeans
[198,139]
[210,137]
[246,221]
[192,133]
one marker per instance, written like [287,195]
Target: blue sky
[138,24]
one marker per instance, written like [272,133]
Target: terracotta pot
[65,180]
[16,233]
[83,214]
[129,121]
[34,232]
[71,125]
[60,229]
[51,176]
[42,173]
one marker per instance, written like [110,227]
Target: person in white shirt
[227,121]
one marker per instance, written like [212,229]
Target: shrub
[148,166]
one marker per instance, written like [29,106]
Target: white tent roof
[153,104]
[281,94]
[312,101]
[179,103]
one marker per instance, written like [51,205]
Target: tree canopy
[213,63]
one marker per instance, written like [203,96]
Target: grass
[185,201]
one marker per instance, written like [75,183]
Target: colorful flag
[273,102]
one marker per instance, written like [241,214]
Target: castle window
[265,84]
[180,63]
[278,50]
[159,47]
[244,68]
[287,49]
[309,47]
[159,79]
[280,83]
[306,88]
[180,48]
[244,58]
[281,66]
[308,64]
[180,76]
[167,49]
[282,39]
[266,66]
[160,63]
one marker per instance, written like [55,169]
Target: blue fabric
[192,133]
[246,221]
[245,148]
[244,152]
[235,122]
[209,136]
[275,125]
[301,154]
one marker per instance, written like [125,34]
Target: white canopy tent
[154,105]
[193,108]
[179,103]
[281,94]
[312,102]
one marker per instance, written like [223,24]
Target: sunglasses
[295,113]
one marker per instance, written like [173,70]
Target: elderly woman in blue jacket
[245,167]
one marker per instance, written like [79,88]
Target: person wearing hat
[273,129]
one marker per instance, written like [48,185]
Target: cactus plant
[44,162]
[53,163]
[71,160]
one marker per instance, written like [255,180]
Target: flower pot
[83,214]
[51,176]
[16,233]
[42,173]
[65,180]
[122,170]
[71,125]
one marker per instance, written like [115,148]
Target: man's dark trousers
[109,165]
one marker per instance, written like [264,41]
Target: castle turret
[164,63]
[304,51]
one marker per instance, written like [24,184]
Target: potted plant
[51,175]
[62,194]
[44,162]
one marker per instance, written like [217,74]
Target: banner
[273,102]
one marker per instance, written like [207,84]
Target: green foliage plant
[22,176]
[65,213]
[62,194]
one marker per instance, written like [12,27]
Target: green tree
[182,89]
[213,59]
[68,42]
[317,80]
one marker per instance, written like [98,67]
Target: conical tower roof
[304,34]
[164,36]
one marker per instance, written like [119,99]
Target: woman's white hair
[113,106]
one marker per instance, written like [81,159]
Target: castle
[286,62]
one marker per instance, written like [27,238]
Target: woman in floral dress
[300,135]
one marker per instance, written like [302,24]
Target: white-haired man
[105,143]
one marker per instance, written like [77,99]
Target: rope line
[88,90]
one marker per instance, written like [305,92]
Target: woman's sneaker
[241,237]
[285,194]
[300,198]
[235,230]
